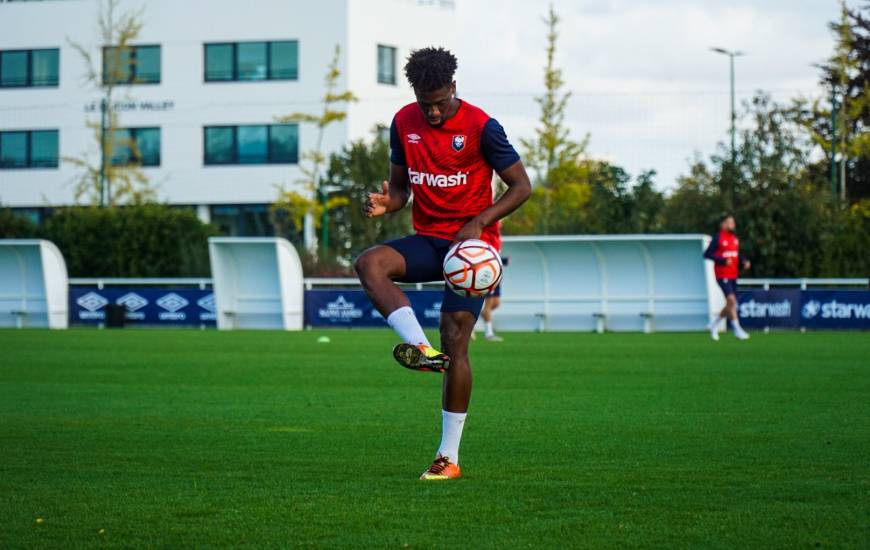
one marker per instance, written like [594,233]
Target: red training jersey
[450,167]
[724,250]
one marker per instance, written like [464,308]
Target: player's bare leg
[489,306]
[456,329]
[730,312]
[377,267]
[730,309]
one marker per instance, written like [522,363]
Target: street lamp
[731,55]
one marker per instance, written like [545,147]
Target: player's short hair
[725,216]
[430,68]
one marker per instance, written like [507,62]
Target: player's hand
[728,261]
[377,203]
[471,230]
[747,264]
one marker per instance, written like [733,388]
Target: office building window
[29,68]
[29,149]
[252,144]
[386,65]
[131,65]
[242,220]
[136,146]
[34,215]
[252,61]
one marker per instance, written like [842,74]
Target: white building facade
[213,77]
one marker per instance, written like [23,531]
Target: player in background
[493,300]
[724,251]
[444,151]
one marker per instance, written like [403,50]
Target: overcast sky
[646,86]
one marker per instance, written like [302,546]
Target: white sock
[735,324]
[487,328]
[451,433]
[405,323]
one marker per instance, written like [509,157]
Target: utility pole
[731,55]
[834,140]
[324,220]
[104,190]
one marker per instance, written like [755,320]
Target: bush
[151,240]
[845,246]
[14,226]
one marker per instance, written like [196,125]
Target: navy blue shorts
[497,290]
[424,260]
[728,286]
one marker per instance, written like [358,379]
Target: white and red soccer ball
[472,268]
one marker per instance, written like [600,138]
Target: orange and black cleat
[422,358]
[441,469]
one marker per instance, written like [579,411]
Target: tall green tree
[846,77]
[846,242]
[552,154]
[314,201]
[782,216]
[695,205]
[101,181]
[353,172]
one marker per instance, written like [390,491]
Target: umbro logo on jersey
[458,143]
[414,138]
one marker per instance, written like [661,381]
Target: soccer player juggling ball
[724,250]
[444,151]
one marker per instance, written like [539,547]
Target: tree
[845,245]
[782,215]
[618,206]
[315,203]
[552,155]
[695,205]
[842,124]
[15,226]
[102,181]
[353,172]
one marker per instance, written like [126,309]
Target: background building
[212,78]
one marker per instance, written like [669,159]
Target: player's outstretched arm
[393,196]
[519,187]
[710,253]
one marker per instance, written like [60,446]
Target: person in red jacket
[724,251]
[443,150]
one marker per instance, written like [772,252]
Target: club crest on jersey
[458,143]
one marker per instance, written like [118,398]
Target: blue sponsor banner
[144,305]
[812,309]
[778,308]
[849,309]
[352,308]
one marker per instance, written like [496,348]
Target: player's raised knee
[367,264]
[376,263]
[362,264]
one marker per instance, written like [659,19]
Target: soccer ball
[472,268]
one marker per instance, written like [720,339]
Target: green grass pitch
[182,438]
